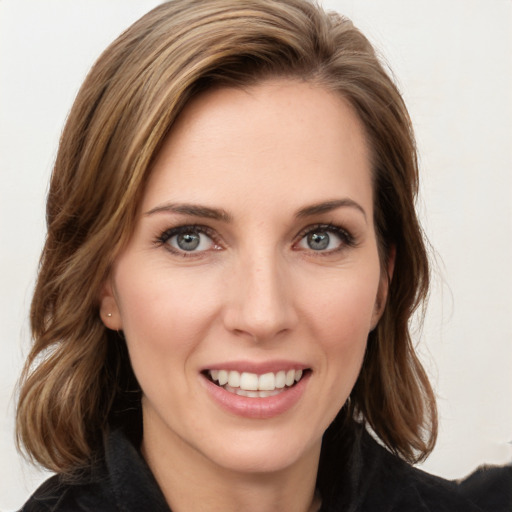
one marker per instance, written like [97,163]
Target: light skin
[279,266]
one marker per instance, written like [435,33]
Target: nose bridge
[261,303]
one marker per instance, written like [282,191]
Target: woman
[232,260]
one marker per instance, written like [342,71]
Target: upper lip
[258,367]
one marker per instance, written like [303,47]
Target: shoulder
[119,479]
[356,473]
[490,487]
[86,490]
[81,495]
[388,483]
[390,480]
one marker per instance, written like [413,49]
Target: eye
[188,239]
[325,238]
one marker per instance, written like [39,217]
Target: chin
[260,455]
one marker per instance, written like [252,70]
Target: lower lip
[257,408]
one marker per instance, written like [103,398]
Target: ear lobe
[109,310]
[384,283]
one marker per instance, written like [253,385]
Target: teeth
[248,381]
[252,394]
[254,385]
[280,379]
[234,379]
[267,382]
[223,377]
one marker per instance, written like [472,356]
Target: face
[252,279]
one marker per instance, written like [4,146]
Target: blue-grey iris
[188,241]
[318,241]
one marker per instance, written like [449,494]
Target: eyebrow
[193,210]
[328,206]
[222,215]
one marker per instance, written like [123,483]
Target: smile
[253,385]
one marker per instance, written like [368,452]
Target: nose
[260,305]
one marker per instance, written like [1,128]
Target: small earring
[109,315]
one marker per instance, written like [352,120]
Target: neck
[190,482]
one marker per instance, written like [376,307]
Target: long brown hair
[77,375]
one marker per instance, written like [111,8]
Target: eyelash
[345,236]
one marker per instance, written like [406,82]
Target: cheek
[166,313]
[340,319]
[342,307]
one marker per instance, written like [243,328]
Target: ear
[109,310]
[382,292]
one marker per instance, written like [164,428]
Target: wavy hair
[77,380]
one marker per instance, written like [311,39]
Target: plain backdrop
[453,62]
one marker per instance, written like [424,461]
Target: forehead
[281,140]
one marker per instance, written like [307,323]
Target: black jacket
[376,481]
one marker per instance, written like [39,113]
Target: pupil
[188,241]
[318,241]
